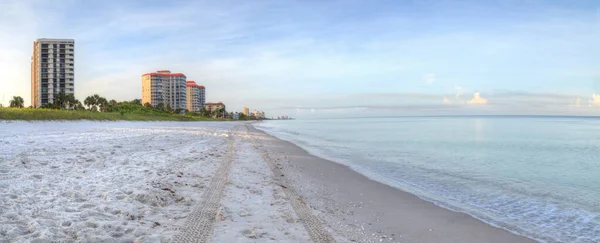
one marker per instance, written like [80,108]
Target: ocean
[534,176]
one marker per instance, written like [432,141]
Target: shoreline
[355,206]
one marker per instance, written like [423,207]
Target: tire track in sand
[311,222]
[200,222]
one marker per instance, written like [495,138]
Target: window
[62,45]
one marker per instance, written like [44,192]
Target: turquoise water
[535,176]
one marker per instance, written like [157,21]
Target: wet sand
[355,208]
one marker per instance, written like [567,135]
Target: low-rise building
[214,106]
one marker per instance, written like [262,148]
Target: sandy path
[312,223]
[200,222]
[254,207]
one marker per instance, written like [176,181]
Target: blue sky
[326,58]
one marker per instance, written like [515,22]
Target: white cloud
[595,100]
[447,101]
[429,78]
[477,100]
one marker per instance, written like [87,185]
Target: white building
[52,70]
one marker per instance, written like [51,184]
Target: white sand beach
[200,182]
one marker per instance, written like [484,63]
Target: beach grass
[28,114]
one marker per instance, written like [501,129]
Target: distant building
[194,96]
[214,106]
[52,70]
[246,111]
[202,95]
[258,114]
[235,116]
[166,88]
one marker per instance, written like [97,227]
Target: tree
[59,101]
[78,106]
[160,107]
[62,101]
[91,102]
[148,105]
[101,102]
[112,105]
[17,102]
[204,112]
[220,113]
[136,101]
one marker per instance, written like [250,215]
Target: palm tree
[204,112]
[17,102]
[102,103]
[91,102]
[78,106]
[63,101]
[160,106]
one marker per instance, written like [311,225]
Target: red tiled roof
[190,83]
[218,103]
[165,74]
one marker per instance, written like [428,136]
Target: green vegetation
[66,107]
[50,114]
[17,102]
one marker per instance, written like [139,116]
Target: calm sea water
[535,176]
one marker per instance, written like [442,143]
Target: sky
[320,58]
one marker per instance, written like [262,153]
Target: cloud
[447,101]
[477,100]
[595,100]
[429,78]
